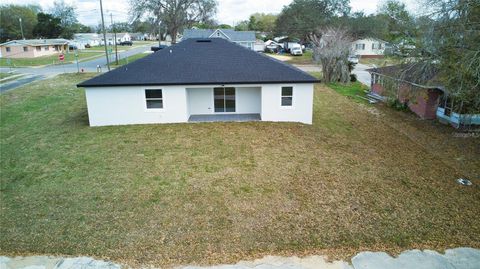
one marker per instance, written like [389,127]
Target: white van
[296,51]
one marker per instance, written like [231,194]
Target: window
[38,48]
[287,96]
[8,49]
[360,46]
[25,48]
[224,99]
[154,99]
[46,48]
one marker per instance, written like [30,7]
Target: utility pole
[21,28]
[115,36]
[104,36]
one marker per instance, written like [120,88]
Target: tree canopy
[175,15]
[10,24]
[48,26]
[303,17]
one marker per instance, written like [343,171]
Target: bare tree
[174,15]
[331,49]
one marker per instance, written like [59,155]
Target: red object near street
[61,57]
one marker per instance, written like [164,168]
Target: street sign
[61,57]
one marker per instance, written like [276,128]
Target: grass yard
[129,59]
[380,62]
[360,178]
[6,75]
[305,58]
[46,60]
[352,90]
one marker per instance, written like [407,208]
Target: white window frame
[291,96]
[153,99]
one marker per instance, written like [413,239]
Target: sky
[229,11]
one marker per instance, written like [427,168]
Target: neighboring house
[259,46]
[426,98]
[121,37]
[369,48]
[31,48]
[83,39]
[138,36]
[200,80]
[243,38]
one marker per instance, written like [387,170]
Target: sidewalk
[459,258]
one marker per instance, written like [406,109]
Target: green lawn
[46,60]
[353,89]
[305,58]
[129,59]
[6,75]
[360,178]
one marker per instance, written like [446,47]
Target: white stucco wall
[300,111]
[127,105]
[200,101]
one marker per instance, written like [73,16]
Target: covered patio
[225,117]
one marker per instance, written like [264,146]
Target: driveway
[362,75]
[458,258]
[37,73]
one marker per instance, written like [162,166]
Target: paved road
[38,73]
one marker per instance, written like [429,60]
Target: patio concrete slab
[224,117]
[459,258]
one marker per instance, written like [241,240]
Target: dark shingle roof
[201,62]
[417,73]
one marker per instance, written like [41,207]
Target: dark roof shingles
[198,63]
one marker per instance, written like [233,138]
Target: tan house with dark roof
[31,48]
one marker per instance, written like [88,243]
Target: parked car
[126,43]
[157,48]
[353,59]
[296,51]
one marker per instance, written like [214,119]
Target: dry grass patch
[359,178]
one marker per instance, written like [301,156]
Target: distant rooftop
[35,42]
[232,35]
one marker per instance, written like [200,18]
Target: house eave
[197,83]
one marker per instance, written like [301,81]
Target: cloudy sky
[229,11]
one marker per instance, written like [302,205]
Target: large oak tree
[175,15]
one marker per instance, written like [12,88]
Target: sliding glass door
[224,99]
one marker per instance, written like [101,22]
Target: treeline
[58,22]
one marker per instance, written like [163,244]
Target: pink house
[31,48]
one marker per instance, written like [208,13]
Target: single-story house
[259,45]
[200,80]
[427,97]
[421,97]
[243,38]
[369,48]
[83,39]
[121,37]
[31,48]
[138,36]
